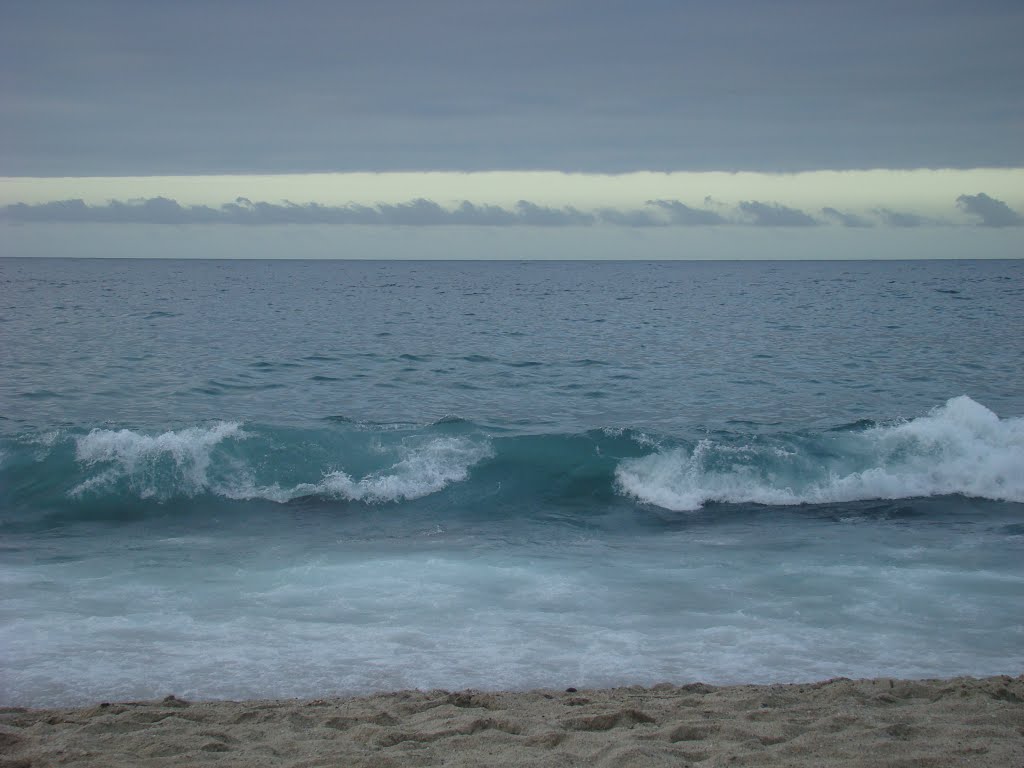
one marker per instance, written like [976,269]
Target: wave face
[960,448]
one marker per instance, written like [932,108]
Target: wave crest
[147,462]
[960,447]
[200,460]
[426,469]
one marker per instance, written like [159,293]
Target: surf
[958,448]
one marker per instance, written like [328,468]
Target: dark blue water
[287,478]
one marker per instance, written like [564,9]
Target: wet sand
[881,722]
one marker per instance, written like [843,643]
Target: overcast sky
[229,96]
[138,88]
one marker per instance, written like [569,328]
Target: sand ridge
[881,722]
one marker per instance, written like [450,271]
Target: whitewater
[273,479]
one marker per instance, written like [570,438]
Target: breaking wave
[960,447]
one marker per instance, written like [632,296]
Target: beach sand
[956,722]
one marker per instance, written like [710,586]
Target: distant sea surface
[252,479]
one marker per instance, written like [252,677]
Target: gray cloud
[846,219]
[111,87]
[775,215]
[631,218]
[429,213]
[156,210]
[415,213]
[902,219]
[484,215]
[542,216]
[687,216]
[991,212]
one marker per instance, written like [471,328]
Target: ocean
[256,479]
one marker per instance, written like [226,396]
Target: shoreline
[873,722]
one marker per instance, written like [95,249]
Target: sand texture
[964,721]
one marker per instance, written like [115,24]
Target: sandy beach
[881,722]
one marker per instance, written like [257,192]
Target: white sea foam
[310,618]
[420,471]
[135,457]
[182,463]
[959,448]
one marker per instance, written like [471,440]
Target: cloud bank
[989,211]
[421,212]
[775,215]
[902,219]
[846,219]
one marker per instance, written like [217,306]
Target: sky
[483,129]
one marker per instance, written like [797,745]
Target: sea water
[240,479]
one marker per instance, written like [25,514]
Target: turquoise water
[253,479]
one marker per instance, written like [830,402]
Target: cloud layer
[982,209]
[110,87]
